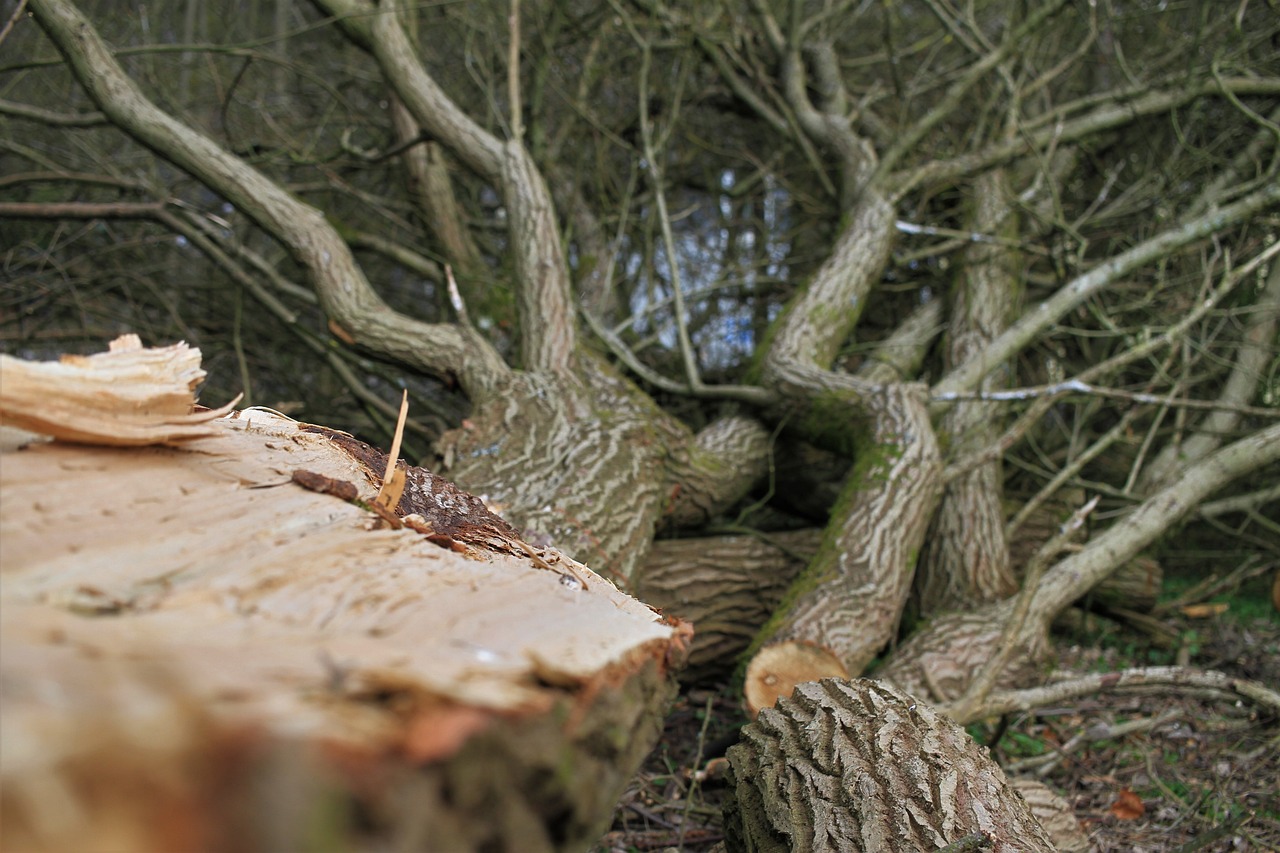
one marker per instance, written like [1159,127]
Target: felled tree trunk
[860,766]
[727,586]
[227,644]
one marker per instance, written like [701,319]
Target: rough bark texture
[1055,815]
[727,586]
[850,596]
[966,559]
[940,659]
[938,662]
[723,462]
[860,766]
[219,646]
[578,461]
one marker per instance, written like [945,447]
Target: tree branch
[345,294]
[1020,334]
[1118,110]
[548,333]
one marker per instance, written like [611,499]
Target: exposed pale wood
[775,671]
[860,766]
[126,396]
[197,651]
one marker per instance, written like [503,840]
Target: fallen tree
[862,238]
[222,639]
[857,766]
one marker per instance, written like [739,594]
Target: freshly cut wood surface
[264,664]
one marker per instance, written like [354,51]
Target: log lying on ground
[199,653]
[725,585]
[860,766]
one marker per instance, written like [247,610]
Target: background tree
[972,263]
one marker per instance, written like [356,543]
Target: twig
[693,778]
[455,298]
[16,16]
[1077,386]
[1215,585]
[1007,701]
[1206,838]
[1043,764]
[513,71]
[664,221]
[1041,405]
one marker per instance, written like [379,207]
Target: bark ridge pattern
[861,766]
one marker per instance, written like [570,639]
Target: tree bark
[432,188]
[860,766]
[965,560]
[850,596]
[727,586]
[939,660]
[578,461]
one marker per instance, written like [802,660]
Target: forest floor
[1160,771]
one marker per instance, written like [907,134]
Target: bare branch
[967,376]
[50,117]
[1255,350]
[1005,702]
[1116,111]
[344,292]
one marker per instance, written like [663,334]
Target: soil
[1156,771]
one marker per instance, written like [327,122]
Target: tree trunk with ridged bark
[858,766]
[728,586]
[965,560]
[849,598]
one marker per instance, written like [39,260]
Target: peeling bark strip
[860,766]
[341,489]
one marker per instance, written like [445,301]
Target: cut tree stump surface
[171,608]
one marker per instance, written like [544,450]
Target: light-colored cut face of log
[207,564]
[775,671]
[220,642]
